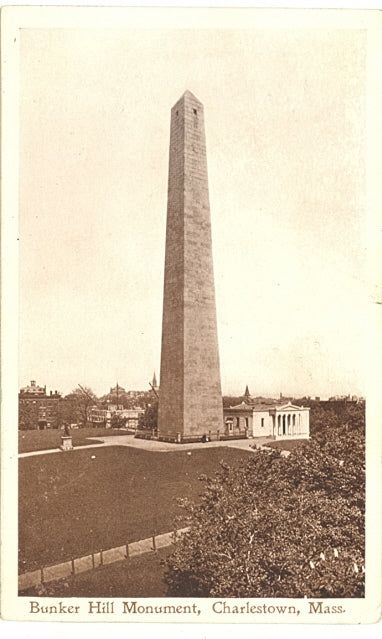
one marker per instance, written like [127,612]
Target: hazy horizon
[275,395]
[285,130]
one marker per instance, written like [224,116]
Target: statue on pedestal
[66,439]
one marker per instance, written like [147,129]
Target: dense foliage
[149,419]
[281,525]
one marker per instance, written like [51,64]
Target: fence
[96,559]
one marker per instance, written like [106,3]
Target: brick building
[37,409]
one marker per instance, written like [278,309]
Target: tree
[28,415]
[149,419]
[279,526]
[117,421]
[77,404]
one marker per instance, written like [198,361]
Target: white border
[363,611]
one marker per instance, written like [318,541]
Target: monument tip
[188,95]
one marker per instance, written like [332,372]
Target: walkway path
[156,446]
[58,450]
[89,562]
[165,447]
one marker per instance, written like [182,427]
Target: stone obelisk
[190,400]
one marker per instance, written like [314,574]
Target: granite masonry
[190,402]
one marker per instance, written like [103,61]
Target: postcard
[191,325]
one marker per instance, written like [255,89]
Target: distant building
[131,415]
[114,408]
[33,390]
[339,403]
[103,416]
[343,398]
[117,390]
[99,416]
[285,398]
[37,410]
[137,394]
[276,421]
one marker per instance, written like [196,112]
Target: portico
[276,421]
[290,421]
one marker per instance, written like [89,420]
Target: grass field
[30,440]
[290,444]
[71,504]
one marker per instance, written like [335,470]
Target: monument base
[66,443]
[178,438]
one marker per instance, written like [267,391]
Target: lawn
[72,503]
[140,576]
[30,440]
[287,444]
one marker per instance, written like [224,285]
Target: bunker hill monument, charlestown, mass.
[190,403]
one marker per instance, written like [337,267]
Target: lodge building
[274,421]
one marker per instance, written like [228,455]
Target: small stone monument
[66,439]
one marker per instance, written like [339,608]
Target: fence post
[73,570]
[101,557]
[42,574]
[127,550]
[154,542]
[93,563]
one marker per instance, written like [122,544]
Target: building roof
[290,406]
[260,408]
[257,408]
[117,389]
[244,407]
[33,389]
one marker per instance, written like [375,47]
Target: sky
[285,132]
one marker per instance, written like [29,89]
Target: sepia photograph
[191,236]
